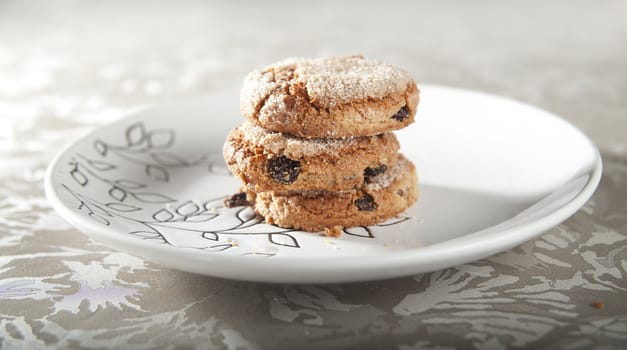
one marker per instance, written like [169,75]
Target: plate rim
[404,262]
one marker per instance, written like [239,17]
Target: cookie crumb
[236,200]
[598,305]
[335,231]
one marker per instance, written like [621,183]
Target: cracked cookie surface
[388,194]
[330,97]
[272,161]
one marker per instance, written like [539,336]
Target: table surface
[67,67]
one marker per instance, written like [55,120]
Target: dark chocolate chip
[400,192]
[369,172]
[402,114]
[283,170]
[236,200]
[366,203]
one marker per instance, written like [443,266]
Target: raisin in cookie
[330,97]
[272,161]
[387,195]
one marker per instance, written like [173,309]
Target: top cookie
[330,97]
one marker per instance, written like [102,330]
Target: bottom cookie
[385,196]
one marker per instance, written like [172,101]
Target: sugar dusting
[329,81]
[339,80]
[295,147]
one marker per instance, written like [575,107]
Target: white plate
[494,173]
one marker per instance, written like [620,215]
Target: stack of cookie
[316,151]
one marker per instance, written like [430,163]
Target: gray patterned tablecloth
[67,67]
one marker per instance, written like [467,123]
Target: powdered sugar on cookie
[330,81]
[296,147]
[340,80]
[330,97]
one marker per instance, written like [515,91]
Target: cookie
[330,97]
[273,161]
[387,195]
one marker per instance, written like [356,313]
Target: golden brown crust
[330,165]
[319,210]
[317,151]
[330,97]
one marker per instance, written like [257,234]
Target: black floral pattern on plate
[150,149]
